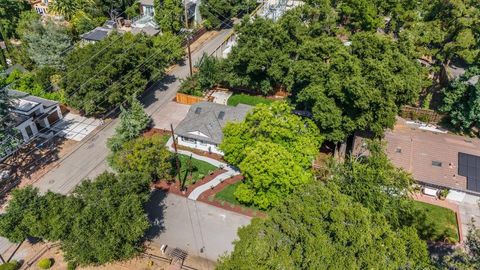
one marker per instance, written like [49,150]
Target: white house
[33,115]
[202,127]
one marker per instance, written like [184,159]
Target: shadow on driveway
[155,209]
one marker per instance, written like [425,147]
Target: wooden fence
[424,115]
[188,99]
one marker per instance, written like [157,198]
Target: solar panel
[469,166]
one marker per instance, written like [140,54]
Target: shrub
[45,263]
[13,265]
[71,266]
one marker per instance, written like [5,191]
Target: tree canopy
[318,227]
[169,15]
[214,12]
[133,121]
[102,221]
[47,43]
[144,155]
[9,140]
[461,101]
[9,15]
[271,173]
[272,123]
[98,76]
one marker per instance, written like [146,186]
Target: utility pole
[177,161]
[188,36]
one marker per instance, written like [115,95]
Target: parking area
[468,208]
[172,113]
[200,229]
[75,127]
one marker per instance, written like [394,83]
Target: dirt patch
[202,153]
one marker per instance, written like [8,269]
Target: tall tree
[9,15]
[47,44]
[271,173]
[317,227]
[122,66]
[133,121]
[272,123]
[144,155]
[102,221]
[461,101]
[169,15]
[9,140]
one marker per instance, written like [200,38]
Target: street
[89,159]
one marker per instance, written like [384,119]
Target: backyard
[440,223]
[192,170]
[235,99]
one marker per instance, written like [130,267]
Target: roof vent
[198,110]
[221,115]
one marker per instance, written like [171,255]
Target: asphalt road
[89,159]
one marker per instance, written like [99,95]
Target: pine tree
[132,122]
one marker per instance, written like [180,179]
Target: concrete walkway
[231,171]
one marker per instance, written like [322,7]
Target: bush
[71,266]
[45,263]
[13,265]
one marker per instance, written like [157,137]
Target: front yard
[193,170]
[441,222]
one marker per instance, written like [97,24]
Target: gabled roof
[208,119]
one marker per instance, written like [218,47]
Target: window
[436,163]
[198,110]
[148,10]
[185,139]
[221,115]
[398,150]
[29,131]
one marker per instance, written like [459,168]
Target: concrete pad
[456,196]
[221,97]
[75,127]
[172,113]
[198,228]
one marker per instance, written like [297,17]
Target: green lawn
[235,99]
[226,194]
[440,223]
[197,169]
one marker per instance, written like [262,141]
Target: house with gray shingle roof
[202,127]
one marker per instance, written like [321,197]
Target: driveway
[468,208]
[192,225]
[172,113]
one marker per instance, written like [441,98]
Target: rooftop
[96,34]
[205,120]
[433,157]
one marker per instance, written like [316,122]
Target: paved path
[89,159]
[231,171]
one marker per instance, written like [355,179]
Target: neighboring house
[99,33]
[202,127]
[41,6]
[146,7]
[33,115]
[433,157]
[193,9]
